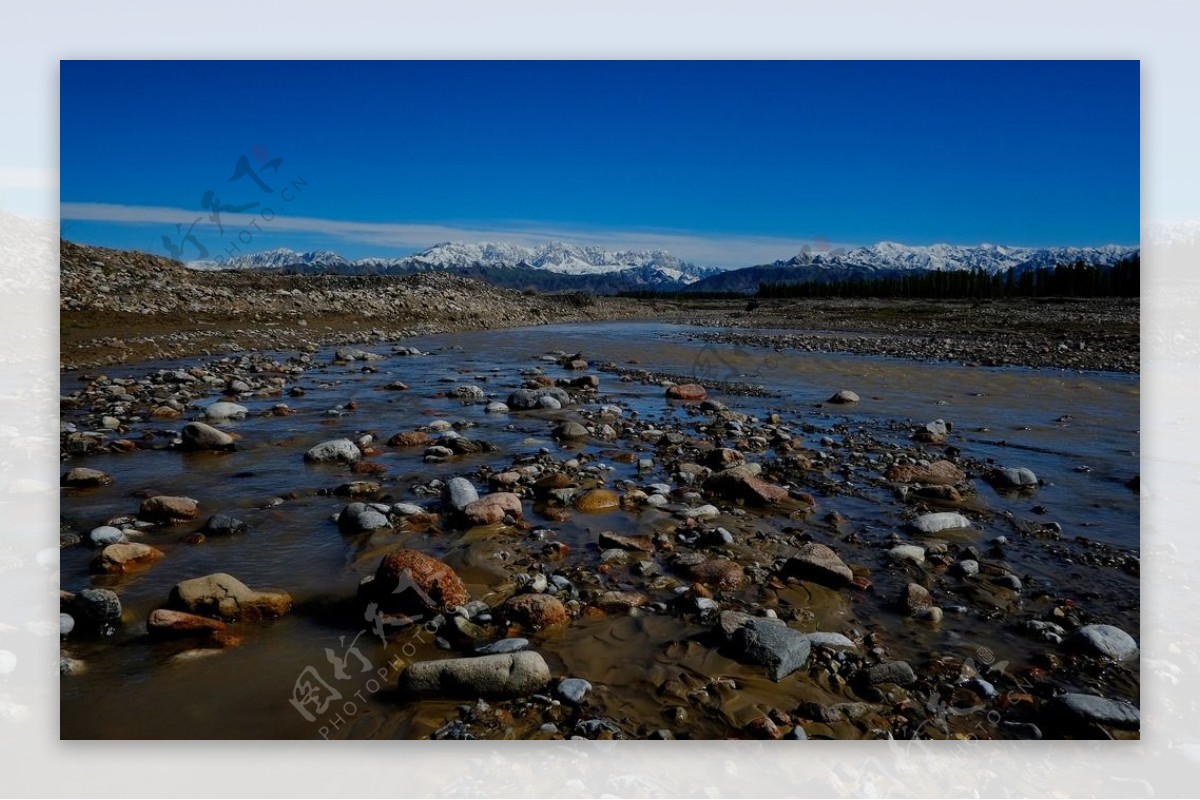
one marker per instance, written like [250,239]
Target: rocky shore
[693,569]
[1074,333]
[119,306]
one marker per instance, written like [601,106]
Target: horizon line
[701,249]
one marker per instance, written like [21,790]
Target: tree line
[1078,279]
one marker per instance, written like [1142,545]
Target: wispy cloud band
[707,249]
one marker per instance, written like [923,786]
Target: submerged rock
[198,436]
[222,595]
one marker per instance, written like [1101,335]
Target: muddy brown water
[641,667]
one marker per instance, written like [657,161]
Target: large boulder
[505,675]
[198,436]
[168,508]
[409,580]
[224,596]
[334,450]
[819,564]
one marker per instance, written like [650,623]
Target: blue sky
[727,163]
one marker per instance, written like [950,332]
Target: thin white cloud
[705,249]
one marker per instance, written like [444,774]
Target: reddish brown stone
[165,623]
[432,578]
[535,610]
[411,439]
[687,392]
[720,573]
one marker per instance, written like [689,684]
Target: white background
[33,37]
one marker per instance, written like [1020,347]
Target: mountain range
[560,266]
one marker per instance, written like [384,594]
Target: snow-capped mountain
[887,258]
[560,257]
[991,258]
[548,266]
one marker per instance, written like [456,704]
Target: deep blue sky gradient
[1025,153]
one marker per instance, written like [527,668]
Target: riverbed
[1072,542]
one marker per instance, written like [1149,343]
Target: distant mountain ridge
[561,266]
[549,266]
[890,258]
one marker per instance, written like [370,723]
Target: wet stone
[1105,641]
[495,676]
[334,450]
[941,521]
[819,564]
[1087,708]
[224,524]
[573,690]
[84,477]
[897,672]
[777,647]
